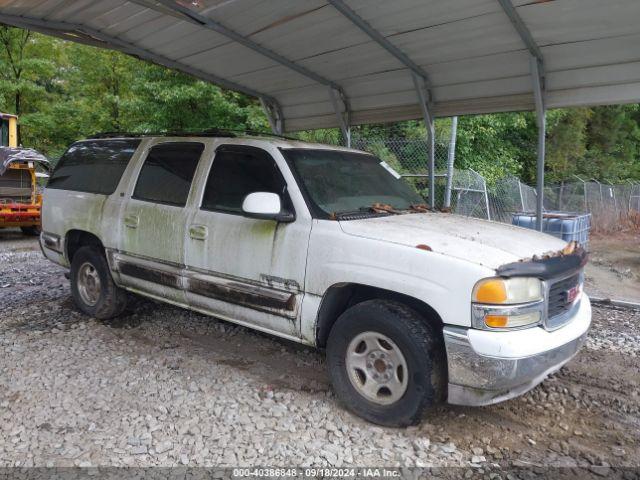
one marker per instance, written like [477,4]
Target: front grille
[559,302]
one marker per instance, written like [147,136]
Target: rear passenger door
[153,222]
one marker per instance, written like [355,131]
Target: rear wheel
[92,287]
[386,362]
[32,231]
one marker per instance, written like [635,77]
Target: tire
[101,300]
[401,328]
[32,231]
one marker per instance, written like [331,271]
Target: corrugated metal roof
[475,59]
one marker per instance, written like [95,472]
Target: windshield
[340,182]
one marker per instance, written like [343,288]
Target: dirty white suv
[324,246]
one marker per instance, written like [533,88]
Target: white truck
[325,246]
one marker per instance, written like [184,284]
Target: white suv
[324,246]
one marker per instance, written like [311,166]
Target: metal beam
[538,80]
[90,36]
[380,39]
[521,28]
[206,22]
[538,95]
[343,113]
[425,105]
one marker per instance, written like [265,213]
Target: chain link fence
[612,206]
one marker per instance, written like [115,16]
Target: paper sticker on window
[388,168]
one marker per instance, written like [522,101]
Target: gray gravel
[164,386]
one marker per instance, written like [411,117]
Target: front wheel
[386,363]
[93,290]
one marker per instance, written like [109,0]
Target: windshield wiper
[384,208]
[374,209]
[419,208]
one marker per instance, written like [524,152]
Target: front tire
[92,286]
[386,362]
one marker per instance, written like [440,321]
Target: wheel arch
[339,297]
[75,239]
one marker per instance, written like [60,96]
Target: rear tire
[32,231]
[92,286]
[386,362]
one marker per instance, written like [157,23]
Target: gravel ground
[164,386]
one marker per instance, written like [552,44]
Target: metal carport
[337,63]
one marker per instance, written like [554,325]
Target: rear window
[95,166]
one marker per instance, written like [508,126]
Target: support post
[274,114]
[425,105]
[343,112]
[486,198]
[451,158]
[542,126]
[522,207]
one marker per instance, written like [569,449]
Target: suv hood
[486,243]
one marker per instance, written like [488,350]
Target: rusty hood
[490,244]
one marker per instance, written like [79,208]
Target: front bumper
[487,367]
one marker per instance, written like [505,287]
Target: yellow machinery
[20,199]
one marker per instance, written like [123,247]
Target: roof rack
[212,132]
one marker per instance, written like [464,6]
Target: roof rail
[212,132]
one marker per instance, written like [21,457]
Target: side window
[167,173]
[94,166]
[237,172]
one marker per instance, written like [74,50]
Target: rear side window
[95,166]
[167,173]
[237,172]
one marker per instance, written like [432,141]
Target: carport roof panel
[473,56]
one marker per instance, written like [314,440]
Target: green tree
[27,70]
[164,99]
[612,143]
[566,142]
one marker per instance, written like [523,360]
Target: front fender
[443,282]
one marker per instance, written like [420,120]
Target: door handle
[198,232]
[131,220]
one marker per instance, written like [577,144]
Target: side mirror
[265,206]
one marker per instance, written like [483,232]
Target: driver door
[247,270]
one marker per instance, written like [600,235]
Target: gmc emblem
[572,293]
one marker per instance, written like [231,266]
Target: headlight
[507,303]
[507,291]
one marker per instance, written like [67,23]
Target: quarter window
[237,172]
[94,166]
[167,173]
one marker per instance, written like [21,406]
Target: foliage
[65,91]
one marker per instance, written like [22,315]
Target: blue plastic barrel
[565,225]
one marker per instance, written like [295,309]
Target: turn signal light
[496,321]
